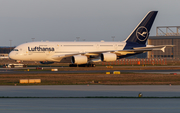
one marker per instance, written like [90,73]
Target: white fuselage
[43,51]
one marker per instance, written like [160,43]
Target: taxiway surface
[91,91]
[13,71]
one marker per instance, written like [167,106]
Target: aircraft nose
[12,55]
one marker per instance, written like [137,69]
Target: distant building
[166,35]
[6,49]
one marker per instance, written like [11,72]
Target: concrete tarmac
[13,71]
[91,91]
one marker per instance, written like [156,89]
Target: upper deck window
[78,45]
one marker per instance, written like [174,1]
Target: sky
[91,20]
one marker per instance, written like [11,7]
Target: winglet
[163,49]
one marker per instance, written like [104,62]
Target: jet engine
[46,62]
[79,59]
[107,57]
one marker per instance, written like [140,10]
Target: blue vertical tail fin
[141,33]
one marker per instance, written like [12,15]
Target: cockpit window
[15,50]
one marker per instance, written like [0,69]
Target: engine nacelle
[46,62]
[79,59]
[107,57]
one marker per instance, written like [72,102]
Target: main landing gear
[82,65]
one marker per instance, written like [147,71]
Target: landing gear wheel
[82,65]
[72,65]
[91,65]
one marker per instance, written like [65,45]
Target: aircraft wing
[158,47]
[131,51]
[117,52]
[142,49]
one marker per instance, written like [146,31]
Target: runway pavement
[14,71]
[90,90]
[90,99]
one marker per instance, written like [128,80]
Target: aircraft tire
[72,65]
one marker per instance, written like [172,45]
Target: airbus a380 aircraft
[86,53]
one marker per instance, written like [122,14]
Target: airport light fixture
[78,38]
[33,39]
[113,37]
